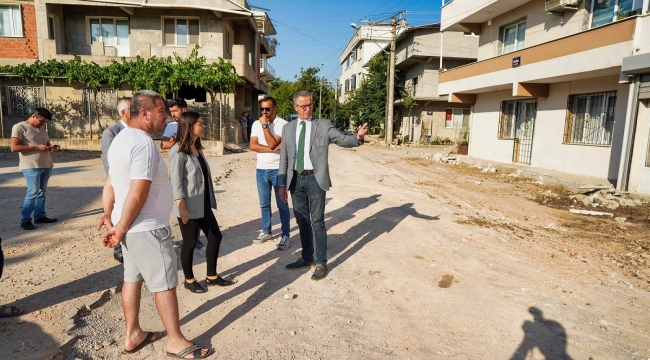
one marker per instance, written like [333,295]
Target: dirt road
[428,261]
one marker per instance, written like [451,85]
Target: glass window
[457,118]
[95,31]
[590,118]
[181,32]
[514,37]
[109,31]
[122,27]
[11,22]
[603,12]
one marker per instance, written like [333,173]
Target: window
[605,11]
[23,99]
[354,55]
[353,82]
[457,118]
[359,53]
[347,85]
[514,117]
[414,83]
[112,32]
[50,28]
[181,31]
[512,37]
[590,118]
[347,62]
[12,21]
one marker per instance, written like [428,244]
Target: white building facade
[548,88]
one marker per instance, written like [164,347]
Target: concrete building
[103,31]
[368,40]
[418,61]
[548,88]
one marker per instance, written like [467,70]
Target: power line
[303,34]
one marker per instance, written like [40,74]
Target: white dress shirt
[307,123]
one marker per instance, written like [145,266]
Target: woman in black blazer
[194,200]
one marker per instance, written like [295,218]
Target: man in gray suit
[304,170]
[123,108]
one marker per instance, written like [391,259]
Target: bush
[464,138]
[406,139]
[436,141]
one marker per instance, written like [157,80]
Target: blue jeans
[309,209]
[35,198]
[267,179]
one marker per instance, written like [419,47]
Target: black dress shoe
[219,281]
[300,263]
[194,287]
[45,220]
[27,225]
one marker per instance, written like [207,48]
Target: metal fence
[590,118]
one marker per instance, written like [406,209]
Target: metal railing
[264,66]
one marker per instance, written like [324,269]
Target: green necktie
[300,161]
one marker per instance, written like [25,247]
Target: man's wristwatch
[265,126]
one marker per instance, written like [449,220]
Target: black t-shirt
[206,182]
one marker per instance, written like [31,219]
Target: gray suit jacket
[322,134]
[107,138]
[187,182]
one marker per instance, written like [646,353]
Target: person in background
[123,109]
[194,200]
[243,122]
[29,138]
[266,140]
[249,124]
[176,108]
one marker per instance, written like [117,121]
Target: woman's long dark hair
[184,134]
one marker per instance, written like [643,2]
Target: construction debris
[589,212]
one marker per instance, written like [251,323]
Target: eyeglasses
[305,107]
[177,102]
[267,108]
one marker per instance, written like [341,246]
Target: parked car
[291,117]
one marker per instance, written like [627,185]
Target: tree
[369,100]
[282,91]
[408,101]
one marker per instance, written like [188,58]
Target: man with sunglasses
[304,170]
[265,139]
[176,108]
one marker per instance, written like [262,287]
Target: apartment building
[368,40]
[102,31]
[548,89]
[418,61]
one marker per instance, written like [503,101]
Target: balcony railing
[264,66]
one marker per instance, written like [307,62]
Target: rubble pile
[606,198]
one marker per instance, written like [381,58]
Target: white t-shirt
[170,129]
[134,156]
[268,160]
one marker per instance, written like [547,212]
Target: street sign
[516,61]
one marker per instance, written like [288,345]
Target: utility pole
[391,83]
[336,99]
[320,92]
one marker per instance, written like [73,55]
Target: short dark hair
[143,99]
[180,102]
[269,98]
[42,112]
[184,133]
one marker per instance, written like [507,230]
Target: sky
[315,32]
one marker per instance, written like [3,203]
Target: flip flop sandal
[147,340]
[9,311]
[194,349]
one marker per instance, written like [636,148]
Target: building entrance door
[525,113]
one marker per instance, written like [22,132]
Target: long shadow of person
[546,335]
[266,284]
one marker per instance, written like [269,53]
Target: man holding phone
[29,139]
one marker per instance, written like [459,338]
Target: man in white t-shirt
[176,108]
[137,202]
[266,138]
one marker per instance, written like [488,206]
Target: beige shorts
[150,255]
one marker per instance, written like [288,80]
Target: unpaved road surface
[428,261]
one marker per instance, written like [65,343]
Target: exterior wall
[145,31]
[414,125]
[548,150]
[638,171]
[25,47]
[540,27]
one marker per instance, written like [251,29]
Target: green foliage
[406,139]
[464,138]
[282,91]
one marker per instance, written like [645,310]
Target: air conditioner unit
[560,6]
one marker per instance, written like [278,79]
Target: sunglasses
[267,108]
[175,102]
[305,107]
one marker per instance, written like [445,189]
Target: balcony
[593,53]
[242,60]
[266,71]
[268,46]
[461,15]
